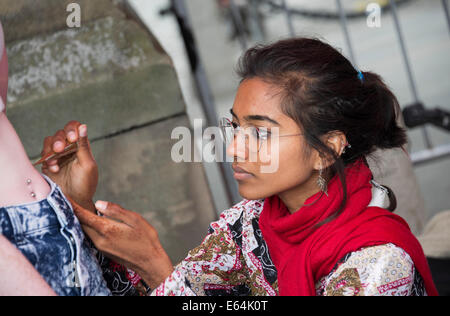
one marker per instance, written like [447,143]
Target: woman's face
[282,164]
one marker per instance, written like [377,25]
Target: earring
[322,183]
[347,146]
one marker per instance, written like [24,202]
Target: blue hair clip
[360,76]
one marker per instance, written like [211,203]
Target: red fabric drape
[303,253]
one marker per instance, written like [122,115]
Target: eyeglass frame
[230,124]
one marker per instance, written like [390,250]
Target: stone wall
[111,74]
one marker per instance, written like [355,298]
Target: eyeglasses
[255,137]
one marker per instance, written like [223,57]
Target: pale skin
[18,277]
[18,180]
[129,239]
[15,167]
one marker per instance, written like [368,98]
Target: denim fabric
[50,237]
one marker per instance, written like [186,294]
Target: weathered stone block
[109,107]
[137,172]
[26,18]
[107,74]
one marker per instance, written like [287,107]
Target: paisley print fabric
[233,260]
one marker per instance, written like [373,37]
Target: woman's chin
[250,192]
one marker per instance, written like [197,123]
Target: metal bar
[204,91]
[239,22]
[343,19]
[288,18]
[446,11]
[427,155]
[196,65]
[412,83]
[257,24]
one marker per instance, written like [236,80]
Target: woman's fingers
[101,230]
[50,166]
[89,219]
[84,153]
[53,144]
[91,223]
[48,144]
[59,141]
[101,225]
[95,237]
[132,241]
[71,130]
[116,212]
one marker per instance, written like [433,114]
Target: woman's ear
[336,141]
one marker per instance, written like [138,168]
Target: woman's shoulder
[377,270]
[248,209]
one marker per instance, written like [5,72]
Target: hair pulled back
[322,91]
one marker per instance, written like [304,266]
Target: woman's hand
[127,238]
[76,174]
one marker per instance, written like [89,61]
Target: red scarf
[303,254]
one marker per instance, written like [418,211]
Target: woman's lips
[241,174]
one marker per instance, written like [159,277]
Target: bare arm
[17,275]
[20,182]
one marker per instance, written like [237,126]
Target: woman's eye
[263,133]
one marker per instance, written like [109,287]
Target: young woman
[313,226]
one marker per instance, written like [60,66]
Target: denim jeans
[50,237]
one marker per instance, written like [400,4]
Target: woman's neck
[296,197]
[20,182]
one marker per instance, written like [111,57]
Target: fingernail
[72,136]
[52,162]
[58,144]
[101,205]
[82,130]
[54,169]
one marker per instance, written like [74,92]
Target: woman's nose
[237,148]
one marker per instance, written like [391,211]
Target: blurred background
[136,69]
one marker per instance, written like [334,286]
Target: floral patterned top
[233,259]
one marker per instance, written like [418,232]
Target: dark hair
[322,91]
